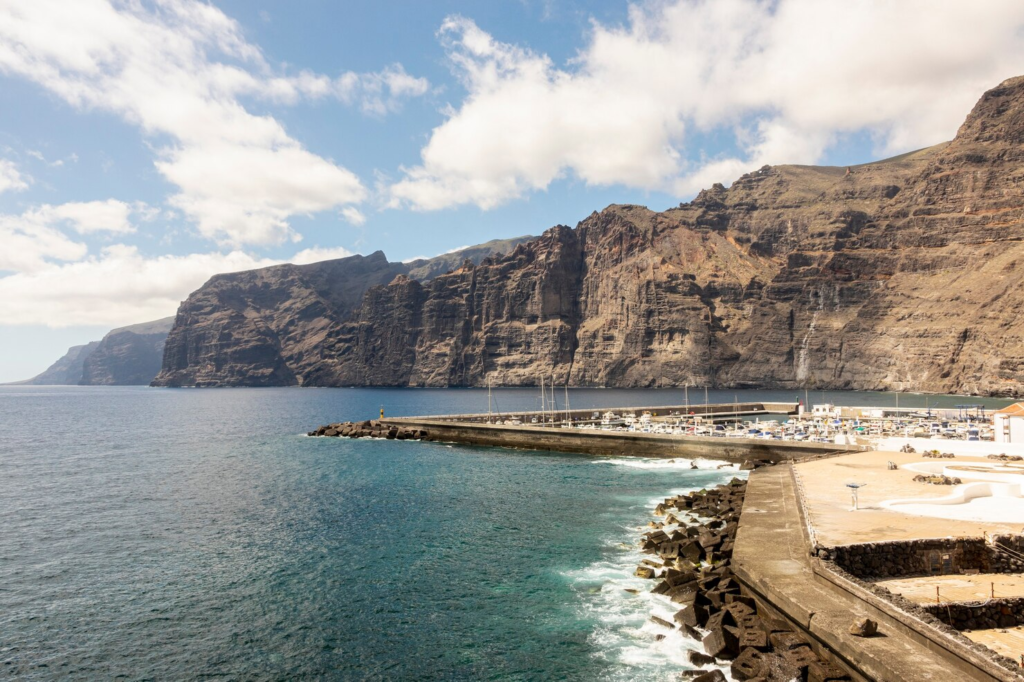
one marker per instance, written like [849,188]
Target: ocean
[161,534]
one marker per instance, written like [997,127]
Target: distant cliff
[265,327]
[901,274]
[127,356]
[67,370]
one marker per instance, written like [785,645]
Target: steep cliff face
[897,274]
[273,326]
[66,371]
[918,292]
[129,356]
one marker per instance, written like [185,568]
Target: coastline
[690,549]
[620,604]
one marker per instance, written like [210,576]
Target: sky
[146,145]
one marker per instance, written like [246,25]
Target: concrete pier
[772,562]
[707,413]
[475,429]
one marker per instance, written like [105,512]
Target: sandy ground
[828,501]
[1009,641]
[957,587]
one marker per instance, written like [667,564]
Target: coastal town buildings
[1008,424]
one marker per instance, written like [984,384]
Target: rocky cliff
[127,356]
[897,274]
[66,371]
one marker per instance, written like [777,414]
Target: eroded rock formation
[126,356]
[900,274]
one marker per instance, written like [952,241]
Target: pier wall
[713,411]
[977,448]
[772,562]
[616,443]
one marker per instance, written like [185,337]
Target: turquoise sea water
[184,534]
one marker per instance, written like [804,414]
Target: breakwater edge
[691,546]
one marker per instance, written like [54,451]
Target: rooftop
[1015,410]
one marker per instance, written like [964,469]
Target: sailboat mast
[554,403]
[543,400]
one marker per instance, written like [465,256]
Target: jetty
[578,431]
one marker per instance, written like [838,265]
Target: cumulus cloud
[121,286]
[781,80]
[353,216]
[88,216]
[29,245]
[118,287]
[317,254]
[178,70]
[10,178]
[38,236]
[381,92]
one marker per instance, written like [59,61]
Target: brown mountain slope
[897,274]
[128,356]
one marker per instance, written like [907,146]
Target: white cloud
[38,155]
[89,216]
[782,79]
[353,216]
[317,254]
[10,178]
[36,237]
[375,93]
[29,244]
[178,70]
[120,286]
[381,92]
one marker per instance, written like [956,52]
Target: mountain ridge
[896,274]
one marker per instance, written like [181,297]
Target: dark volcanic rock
[129,356]
[67,371]
[902,273]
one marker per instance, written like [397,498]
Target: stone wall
[1005,562]
[875,560]
[994,613]
[911,557]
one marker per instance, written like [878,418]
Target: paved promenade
[828,500]
[772,559]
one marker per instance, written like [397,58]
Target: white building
[1008,424]
[825,411]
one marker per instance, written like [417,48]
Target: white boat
[610,420]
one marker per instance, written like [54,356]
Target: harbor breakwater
[583,441]
[762,616]
[691,547]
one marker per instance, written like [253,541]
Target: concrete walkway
[828,500]
[771,558]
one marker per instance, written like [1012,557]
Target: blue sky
[145,146]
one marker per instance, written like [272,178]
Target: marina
[737,431]
[657,432]
[879,506]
